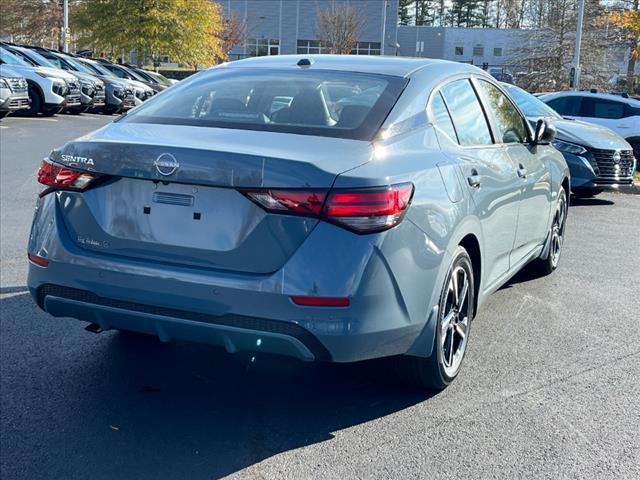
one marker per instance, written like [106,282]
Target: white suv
[50,89]
[620,114]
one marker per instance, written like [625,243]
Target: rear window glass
[466,112]
[566,105]
[309,102]
[598,108]
[441,117]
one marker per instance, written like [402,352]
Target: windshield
[279,101]
[134,74]
[79,66]
[11,59]
[143,75]
[99,69]
[36,57]
[90,66]
[159,77]
[530,105]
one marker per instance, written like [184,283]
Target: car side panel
[535,203]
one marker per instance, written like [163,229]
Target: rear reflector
[321,301]
[360,210]
[40,261]
[58,177]
[300,202]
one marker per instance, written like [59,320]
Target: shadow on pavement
[123,405]
[7,290]
[589,202]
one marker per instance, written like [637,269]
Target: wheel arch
[468,234]
[472,245]
[38,89]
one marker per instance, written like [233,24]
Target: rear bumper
[230,331]
[391,292]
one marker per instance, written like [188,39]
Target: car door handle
[522,172]
[474,179]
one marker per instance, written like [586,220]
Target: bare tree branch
[339,27]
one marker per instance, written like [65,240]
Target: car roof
[396,66]
[605,96]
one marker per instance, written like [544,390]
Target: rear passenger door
[534,180]
[488,170]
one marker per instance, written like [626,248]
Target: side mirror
[545,132]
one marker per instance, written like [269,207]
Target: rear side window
[566,105]
[600,108]
[468,118]
[511,128]
[309,102]
[441,117]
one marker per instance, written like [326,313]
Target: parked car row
[58,81]
[599,158]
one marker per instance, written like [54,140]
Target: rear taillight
[57,177]
[360,210]
[370,210]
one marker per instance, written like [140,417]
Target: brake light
[360,210]
[369,210]
[57,177]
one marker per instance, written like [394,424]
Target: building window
[459,51]
[366,48]
[497,52]
[311,46]
[261,47]
[478,51]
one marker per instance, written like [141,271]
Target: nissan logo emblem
[166,164]
[617,157]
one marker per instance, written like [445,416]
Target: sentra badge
[73,160]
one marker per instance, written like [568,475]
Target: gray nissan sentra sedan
[329,208]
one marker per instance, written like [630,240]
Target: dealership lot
[549,389]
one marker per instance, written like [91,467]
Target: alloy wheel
[454,323]
[557,230]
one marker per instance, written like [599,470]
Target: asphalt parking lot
[550,386]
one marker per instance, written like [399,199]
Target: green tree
[404,17]
[425,13]
[465,13]
[188,31]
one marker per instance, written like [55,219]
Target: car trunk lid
[173,194]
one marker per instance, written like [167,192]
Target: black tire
[437,371]
[545,266]
[77,110]
[50,112]
[3,114]
[635,145]
[36,103]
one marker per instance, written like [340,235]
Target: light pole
[576,58]
[65,26]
